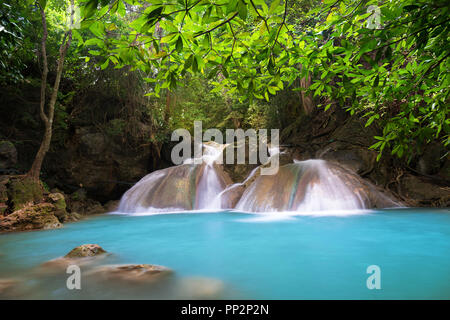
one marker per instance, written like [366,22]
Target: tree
[394,71]
[48,115]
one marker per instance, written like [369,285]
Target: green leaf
[90,8]
[274,6]
[376,81]
[242,10]
[179,44]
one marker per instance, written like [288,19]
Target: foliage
[12,25]
[395,74]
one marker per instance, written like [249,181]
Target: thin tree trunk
[48,118]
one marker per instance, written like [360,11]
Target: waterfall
[188,186]
[302,187]
[305,186]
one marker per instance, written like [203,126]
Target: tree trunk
[48,118]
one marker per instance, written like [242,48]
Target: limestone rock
[142,273]
[8,288]
[81,255]
[424,192]
[85,250]
[31,217]
[200,288]
[23,191]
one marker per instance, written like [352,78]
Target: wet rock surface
[31,217]
[85,250]
[140,273]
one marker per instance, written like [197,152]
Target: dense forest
[91,90]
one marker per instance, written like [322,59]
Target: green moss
[8,143]
[23,191]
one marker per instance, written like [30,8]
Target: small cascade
[305,186]
[189,186]
[302,187]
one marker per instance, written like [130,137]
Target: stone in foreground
[31,217]
[139,273]
[85,250]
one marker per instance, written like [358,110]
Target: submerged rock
[8,288]
[31,217]
[142,273]
[81,255]
[200,288]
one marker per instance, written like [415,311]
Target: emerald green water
[255,256]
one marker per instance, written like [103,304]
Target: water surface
[256,257]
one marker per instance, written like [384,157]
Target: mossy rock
[31,217]
[85,250]
[58,200]
[23,191]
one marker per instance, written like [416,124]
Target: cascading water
[302,186]
[185,187]
[309,186]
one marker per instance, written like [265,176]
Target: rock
[8,155]
[142,273]
[111,206]
[80,204]
[101,164]
[58,200]
[423,192]
[31,217]
[81,255]
[430,161]
[3,194]
[200,288]
[85,250]
[23,191]
[358,159]
[8,288]
[93,144]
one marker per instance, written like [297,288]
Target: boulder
[111,206]
[358,159]
[93,144]
[200,288]
[8,155]
[422,191]
[135,273]
[430,161]
[81,255]
[102,165]
[23,191]
[85,250]
[78,203]
[59,201]
[8,288]
[31,217]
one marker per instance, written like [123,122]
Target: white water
[189,186]
[303,187]
[314,187]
